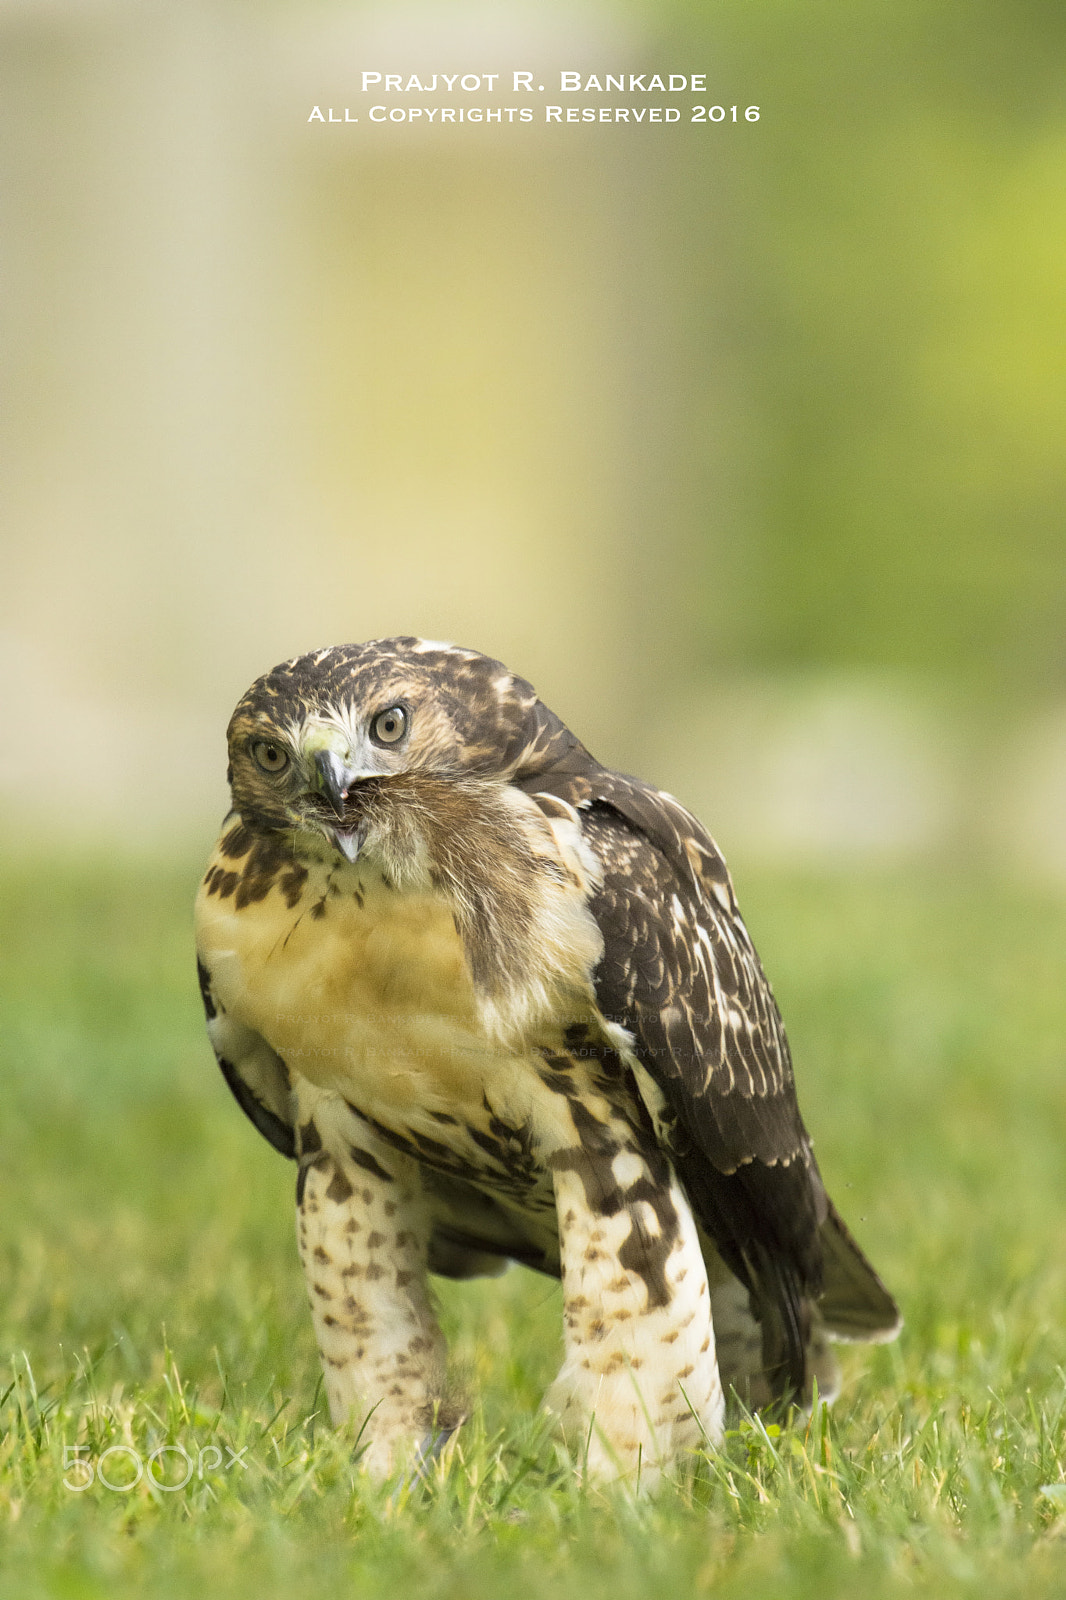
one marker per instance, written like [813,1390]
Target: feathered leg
[362,1233]
[639,1384]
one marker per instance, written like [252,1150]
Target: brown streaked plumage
[499,1003]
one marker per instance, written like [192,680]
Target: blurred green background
[745,443]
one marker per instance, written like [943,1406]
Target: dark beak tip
[330,775]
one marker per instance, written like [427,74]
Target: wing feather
[680,973]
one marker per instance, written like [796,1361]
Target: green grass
[152,1295]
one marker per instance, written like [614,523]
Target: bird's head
[346,748]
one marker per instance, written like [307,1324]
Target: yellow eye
[389,727]
[270,756]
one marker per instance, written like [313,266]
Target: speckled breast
[360,989]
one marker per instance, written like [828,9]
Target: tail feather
[854,1303]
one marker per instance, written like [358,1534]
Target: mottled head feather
[498,727]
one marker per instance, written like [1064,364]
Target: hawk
[498,1003]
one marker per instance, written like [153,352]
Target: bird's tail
[854,1304]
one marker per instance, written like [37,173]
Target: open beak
[334,781]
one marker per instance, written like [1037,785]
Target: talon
[428,1450]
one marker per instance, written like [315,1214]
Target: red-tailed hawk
[499,1004]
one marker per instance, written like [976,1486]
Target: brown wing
[680,973]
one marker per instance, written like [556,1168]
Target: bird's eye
[270,756]
[389,727]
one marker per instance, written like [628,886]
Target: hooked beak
[334,781]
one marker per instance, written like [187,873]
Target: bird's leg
[362,1235]
[639,1384]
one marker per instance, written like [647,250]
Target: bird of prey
[499,1004]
